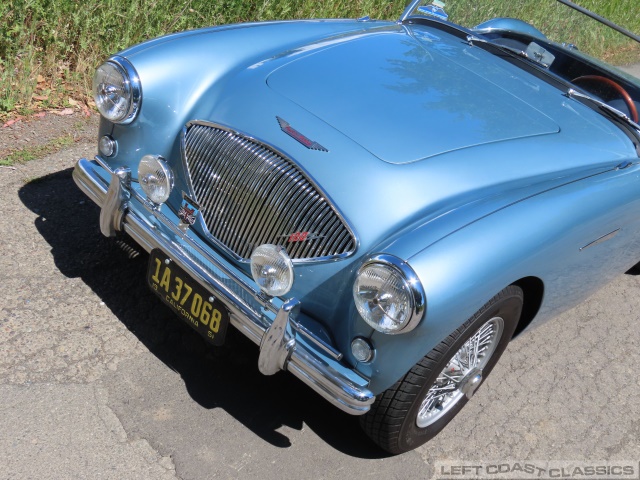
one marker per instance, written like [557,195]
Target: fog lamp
[155,178]
[272,269]
[361,349]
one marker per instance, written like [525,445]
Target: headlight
[272,269]
[117,91]
[389,295]
[155,178]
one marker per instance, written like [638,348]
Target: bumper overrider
[270,323]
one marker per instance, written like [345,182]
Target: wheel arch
[533,289]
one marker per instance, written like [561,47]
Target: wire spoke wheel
[463,373]
[421,403]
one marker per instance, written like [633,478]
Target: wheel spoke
[471,356]
[453,378]
[448,388]
[476,347]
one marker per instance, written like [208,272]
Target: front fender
[188,75]
[552,236]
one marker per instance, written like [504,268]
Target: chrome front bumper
[284,343]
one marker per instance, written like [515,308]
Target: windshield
[555,20]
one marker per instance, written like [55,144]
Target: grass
[49,48]
[563,24]
[26,154]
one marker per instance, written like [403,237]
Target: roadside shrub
[49,48]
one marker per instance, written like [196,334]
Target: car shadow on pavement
[224,377]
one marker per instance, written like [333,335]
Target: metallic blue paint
[474,170]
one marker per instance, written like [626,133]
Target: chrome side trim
[600,240]
[338,384]
[328,349]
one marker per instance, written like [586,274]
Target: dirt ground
[37,131]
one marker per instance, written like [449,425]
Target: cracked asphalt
[99,380]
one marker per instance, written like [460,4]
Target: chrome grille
[250,195]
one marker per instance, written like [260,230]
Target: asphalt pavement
[99,380]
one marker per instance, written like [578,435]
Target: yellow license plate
[187,298]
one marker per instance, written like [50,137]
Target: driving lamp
[272,269]
[155,178]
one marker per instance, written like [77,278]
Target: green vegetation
[49,48]
[563,24]
[37,151]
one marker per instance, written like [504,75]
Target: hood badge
[296,135]
[187,213]
[301,237]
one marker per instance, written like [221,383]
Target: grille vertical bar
[251,195]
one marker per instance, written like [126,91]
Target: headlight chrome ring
[389,295]
[117,90]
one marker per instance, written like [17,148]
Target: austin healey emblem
[188,212]
[301,237]
[296,135]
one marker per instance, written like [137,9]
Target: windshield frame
[480,38]
[411,7]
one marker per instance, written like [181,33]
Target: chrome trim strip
[259,215]
[340,385]
[329,350]
[600,240]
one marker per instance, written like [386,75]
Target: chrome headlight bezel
[412,287]
[131,90]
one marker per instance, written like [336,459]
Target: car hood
[461,132]
[421,95]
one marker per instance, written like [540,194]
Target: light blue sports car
[380,206]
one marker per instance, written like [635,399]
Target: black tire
[392,421]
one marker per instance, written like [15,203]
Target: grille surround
[250,193]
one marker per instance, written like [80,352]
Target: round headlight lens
[388,295]
[155,178]
[116,91]
[272,269]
